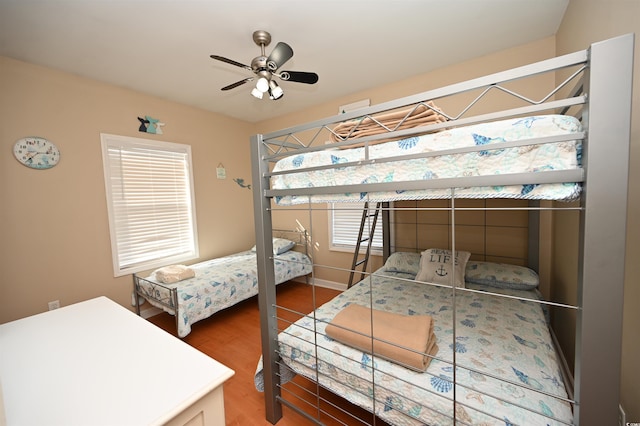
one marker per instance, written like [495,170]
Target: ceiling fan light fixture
[275,91]
[266,68]
[256,93]
[262,84]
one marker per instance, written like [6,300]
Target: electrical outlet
[54,305]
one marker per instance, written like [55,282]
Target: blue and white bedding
[220,283]
[507,371]
[531,158]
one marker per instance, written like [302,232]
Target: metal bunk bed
[603,96]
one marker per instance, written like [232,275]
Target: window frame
[342,209]
[180,155]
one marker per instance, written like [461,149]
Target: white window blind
[344,224]
[149,187]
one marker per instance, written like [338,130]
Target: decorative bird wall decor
[150,125]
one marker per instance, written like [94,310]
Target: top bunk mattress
[308,170]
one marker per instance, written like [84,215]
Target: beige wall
[585,22]
[54,227]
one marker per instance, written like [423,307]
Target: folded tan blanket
[395,336]
[174,273]
[421,115]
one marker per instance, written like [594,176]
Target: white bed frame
[603,96]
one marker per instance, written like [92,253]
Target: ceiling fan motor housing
[259,63]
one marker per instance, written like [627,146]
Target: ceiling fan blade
[230,61]
[237,83]
[299,76]
[280,54]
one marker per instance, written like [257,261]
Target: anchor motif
[441,271]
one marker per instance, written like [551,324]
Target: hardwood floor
[232,337]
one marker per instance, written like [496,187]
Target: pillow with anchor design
[440,267]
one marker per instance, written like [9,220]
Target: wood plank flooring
[232,337]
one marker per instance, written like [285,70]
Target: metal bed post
[386,231]
[135,293]
[533,256]
[266,281]
[603,232]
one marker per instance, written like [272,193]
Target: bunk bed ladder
[369,215]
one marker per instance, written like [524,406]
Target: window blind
[345,221]
[150,202]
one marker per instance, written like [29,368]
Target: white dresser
[97,363]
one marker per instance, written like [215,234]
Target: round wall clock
[36,153]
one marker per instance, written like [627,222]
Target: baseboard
[325,283]
[150,312]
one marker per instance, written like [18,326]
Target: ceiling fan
[266,67]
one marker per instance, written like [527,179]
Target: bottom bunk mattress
[496,362]
[218,284]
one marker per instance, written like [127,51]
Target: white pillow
[436,266]
[280,245]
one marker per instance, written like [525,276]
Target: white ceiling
[162,47]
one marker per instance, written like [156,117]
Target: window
[344,225]
[149,186]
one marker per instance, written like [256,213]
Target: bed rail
[566,96]
[164,295]
[313,136]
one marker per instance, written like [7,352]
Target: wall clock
[36,153]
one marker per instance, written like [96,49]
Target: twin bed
[497,361]
[217,284]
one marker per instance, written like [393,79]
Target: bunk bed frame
[603,95]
